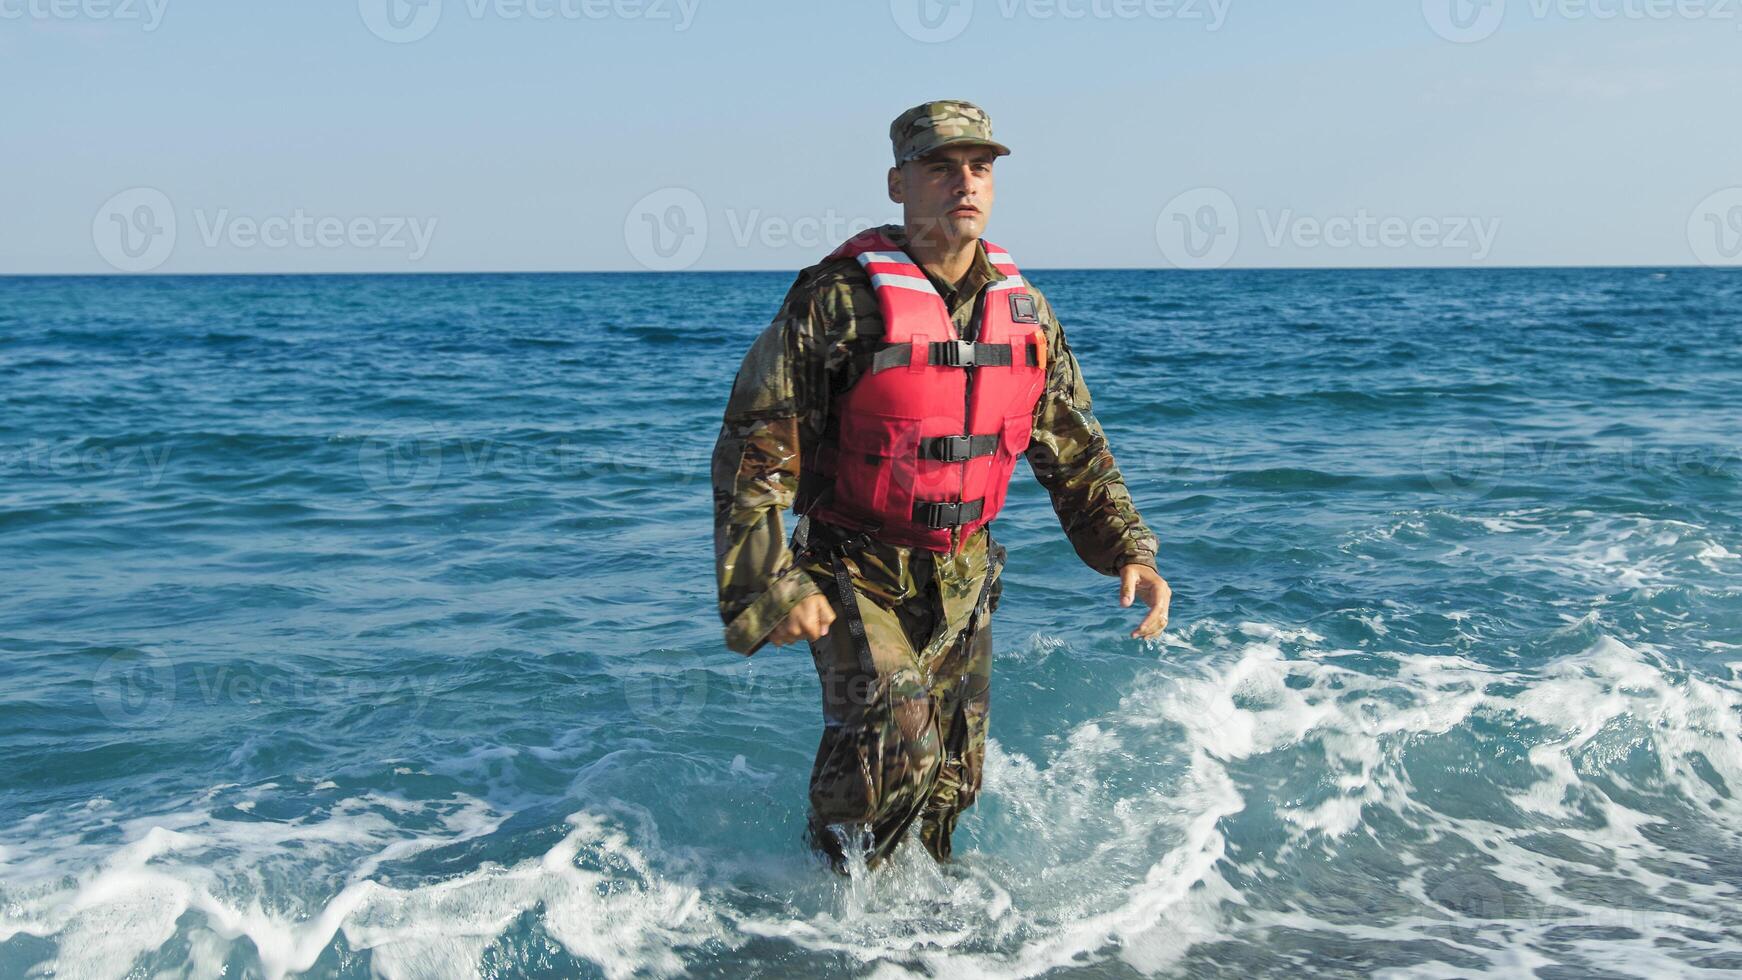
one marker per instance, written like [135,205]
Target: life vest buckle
[953,353]
[957,449]
[940,514]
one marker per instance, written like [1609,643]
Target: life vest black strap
[953,353]
[894,355]
[957,449]
[994,564]
[849,601]
[837,543]
[967,353]
[939,514]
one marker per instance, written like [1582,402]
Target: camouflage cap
[946,122]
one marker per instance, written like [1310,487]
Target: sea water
[367,625]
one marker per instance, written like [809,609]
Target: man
[888,402]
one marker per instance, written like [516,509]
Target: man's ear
[895,184]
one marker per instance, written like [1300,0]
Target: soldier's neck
[949,261]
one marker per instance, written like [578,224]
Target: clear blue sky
[512,142]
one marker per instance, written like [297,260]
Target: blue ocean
[365,626]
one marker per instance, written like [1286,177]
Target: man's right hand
[809,620]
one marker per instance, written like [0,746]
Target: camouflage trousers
[904,721]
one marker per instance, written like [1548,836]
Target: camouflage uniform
[904,736]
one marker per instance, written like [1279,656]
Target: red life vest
[930,433]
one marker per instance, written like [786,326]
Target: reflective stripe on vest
[930,433]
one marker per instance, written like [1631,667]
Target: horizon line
[787,270]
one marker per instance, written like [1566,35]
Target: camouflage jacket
[781,409]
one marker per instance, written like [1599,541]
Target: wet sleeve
[755,472]
[1071,459]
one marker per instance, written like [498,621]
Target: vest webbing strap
[957,449]
[953,353]
[849,601]
[939,514]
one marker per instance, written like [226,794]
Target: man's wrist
[749,630]
[1137,556]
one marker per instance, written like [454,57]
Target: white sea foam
[1585,710]
[123,902]
[1115,843]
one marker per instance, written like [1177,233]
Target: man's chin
[954,229]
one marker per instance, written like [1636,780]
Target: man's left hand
[1141,580]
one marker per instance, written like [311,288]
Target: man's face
[946,195]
